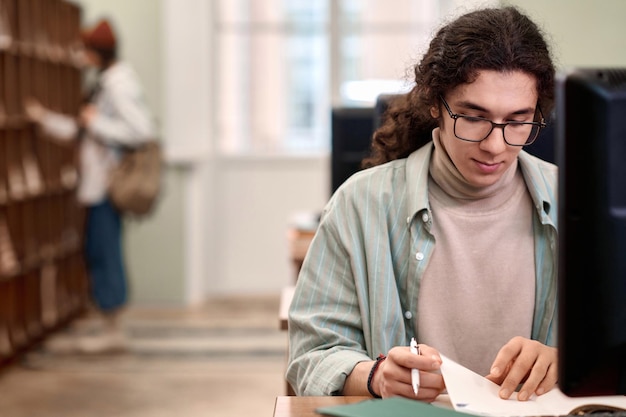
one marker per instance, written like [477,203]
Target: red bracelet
[379,359]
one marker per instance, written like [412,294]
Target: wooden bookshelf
[43,281]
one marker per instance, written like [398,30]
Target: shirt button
[419,256]
[408,220]
[425,217]
[408,315]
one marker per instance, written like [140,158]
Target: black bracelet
[379,359]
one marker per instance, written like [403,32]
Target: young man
[451,240]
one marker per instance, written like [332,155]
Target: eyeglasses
[477,129]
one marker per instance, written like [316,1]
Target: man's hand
[393,378]
[528,361]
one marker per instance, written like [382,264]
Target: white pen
[415,373]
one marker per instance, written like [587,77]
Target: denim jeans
[105,263]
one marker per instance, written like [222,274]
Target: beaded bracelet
[379,359]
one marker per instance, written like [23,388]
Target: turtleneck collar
[445,174]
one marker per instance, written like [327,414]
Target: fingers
[427,360]
[549,381]
[429,354]
[528,361]
[396,374]
[505,358]
[542,377]
[431,385]
[497,376]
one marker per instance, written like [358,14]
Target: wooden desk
[286,295]
[298,241]
[305,406]
[285,300]
[299,238]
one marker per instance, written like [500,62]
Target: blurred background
[242,93]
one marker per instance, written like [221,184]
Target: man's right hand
[393,378]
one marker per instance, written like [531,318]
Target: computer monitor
[352,130]
[591,155]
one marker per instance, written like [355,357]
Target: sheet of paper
[474,394]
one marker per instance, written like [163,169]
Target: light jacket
[123,120]
[356,294]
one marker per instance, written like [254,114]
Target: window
[282,64]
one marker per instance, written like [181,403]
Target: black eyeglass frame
[455,116]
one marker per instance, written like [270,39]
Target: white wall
[235,209]
[138,26]
[581,32]
[187,126]
[255,200]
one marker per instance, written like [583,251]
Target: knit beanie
[100,36]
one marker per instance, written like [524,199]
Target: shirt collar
[417,167]
[540,179]
[536,176]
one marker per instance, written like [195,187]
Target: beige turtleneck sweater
[478,290]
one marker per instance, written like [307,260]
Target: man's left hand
[527,361]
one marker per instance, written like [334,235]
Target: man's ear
[434,112]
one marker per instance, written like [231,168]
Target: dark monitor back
[591,155]
[352,129]
[383,101]
[545,145]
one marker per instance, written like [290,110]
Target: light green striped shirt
[357,291]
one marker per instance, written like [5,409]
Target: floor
[226,358]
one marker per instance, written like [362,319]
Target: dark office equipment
[591,155]
[352,129]
[381,106]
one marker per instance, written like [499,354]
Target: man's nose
[494,143]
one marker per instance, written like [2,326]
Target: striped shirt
[357,291]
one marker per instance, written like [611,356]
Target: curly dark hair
[500,39]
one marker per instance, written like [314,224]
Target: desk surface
[305,406]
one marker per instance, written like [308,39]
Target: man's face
[499,97]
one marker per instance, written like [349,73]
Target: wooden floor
[224,359]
